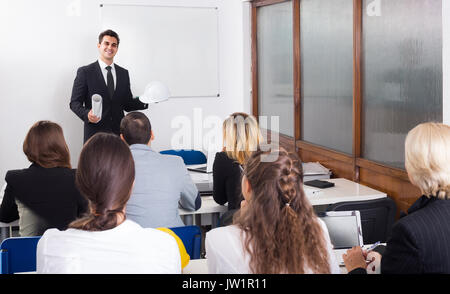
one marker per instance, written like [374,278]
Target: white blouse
[226,254]
[127,248]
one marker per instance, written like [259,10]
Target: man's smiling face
[108,49]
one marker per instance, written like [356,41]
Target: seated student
[276,230]
[105,241]
[162,181]
[241,136]
[419,242]
[43,195]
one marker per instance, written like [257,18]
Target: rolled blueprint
[97,105]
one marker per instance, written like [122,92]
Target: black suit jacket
[227,181]
[49,192]
[90,81]
[420,241]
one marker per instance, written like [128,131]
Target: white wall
[44,42]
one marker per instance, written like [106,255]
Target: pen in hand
[370,249]
[373,246]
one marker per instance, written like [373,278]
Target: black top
[227,181]
[50,193]
[90,81]
[419,243]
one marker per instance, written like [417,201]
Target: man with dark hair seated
[162,181]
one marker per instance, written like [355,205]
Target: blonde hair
[241,136]
[427,158]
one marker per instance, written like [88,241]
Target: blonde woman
[241,136]
[419,243]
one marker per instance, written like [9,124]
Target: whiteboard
[175,45]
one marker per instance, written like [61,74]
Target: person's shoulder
[222,155]
[158,237]
[52,233]
[19,174]
[223,159]
[219,232]
[433,209]
[173,159]
[89,66]
[133,226]
[15,173]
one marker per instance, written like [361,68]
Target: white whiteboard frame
[139,90]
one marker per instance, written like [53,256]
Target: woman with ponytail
[276,230]
[104,241]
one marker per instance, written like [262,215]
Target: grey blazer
[162,184]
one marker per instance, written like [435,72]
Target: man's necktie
[110,82]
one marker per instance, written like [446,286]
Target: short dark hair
[135,128]
[45,145]
[110,33]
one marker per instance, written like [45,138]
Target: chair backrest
[18,254]
[189,156]
[192,239]
[377,217]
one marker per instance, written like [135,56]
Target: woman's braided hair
[282,231]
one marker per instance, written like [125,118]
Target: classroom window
[326,40]
[275,65]
[401,74]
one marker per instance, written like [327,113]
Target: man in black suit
[108,80]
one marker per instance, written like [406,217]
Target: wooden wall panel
[402,191]
[284,141]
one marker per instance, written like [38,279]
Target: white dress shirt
[226,254]
[127,248]
[105,72]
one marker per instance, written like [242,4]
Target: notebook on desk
[344,228]
[206,168]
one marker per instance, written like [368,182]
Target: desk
[209,206]
[344,190]
[203,181]
[200,266]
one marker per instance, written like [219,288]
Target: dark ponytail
[105,176]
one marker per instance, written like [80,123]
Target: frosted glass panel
[275,65]
[326,42]
[402,74]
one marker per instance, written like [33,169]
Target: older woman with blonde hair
[419,243]
[241,137]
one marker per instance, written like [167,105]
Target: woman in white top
[104,241]
[276,230]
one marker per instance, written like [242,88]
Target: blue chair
[192,239]
[18,254]
[189,156]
